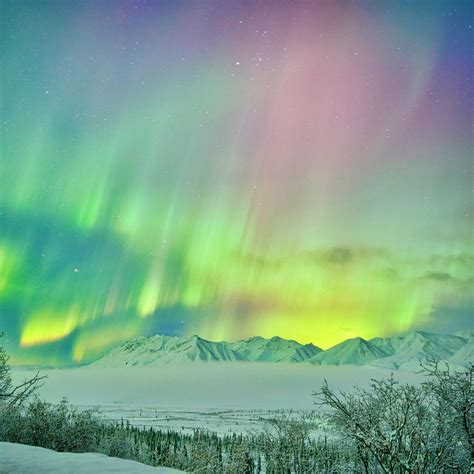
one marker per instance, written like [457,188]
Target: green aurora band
[301,170]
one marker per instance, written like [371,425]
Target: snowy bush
[288,445]
[10,395]
[118,444]
[401,428]
[59,427]
[451,393]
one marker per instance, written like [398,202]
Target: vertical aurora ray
[230,169]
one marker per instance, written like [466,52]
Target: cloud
[339,255]
[438,276]
[449,318]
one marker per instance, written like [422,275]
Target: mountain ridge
[394,352]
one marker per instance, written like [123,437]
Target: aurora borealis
[231,169]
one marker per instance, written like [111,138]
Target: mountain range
[393,352]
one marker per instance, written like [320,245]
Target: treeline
[286,445]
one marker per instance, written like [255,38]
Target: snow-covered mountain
[158,349]
[276,349]
[465,334]
[392,352]
[356,351]
[463,355]
[407,351]
[165,349]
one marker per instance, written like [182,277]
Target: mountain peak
[354,351]
[355,340]
[466,334]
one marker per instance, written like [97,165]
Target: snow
[188,420]
[22,459]
[465,334]
[464,354]
[276,349]
[406,352]
[355,351]
[161,349]
[392,352]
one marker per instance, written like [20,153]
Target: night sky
[231,169]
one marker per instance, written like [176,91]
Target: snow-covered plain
[186,420]
[22,459]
